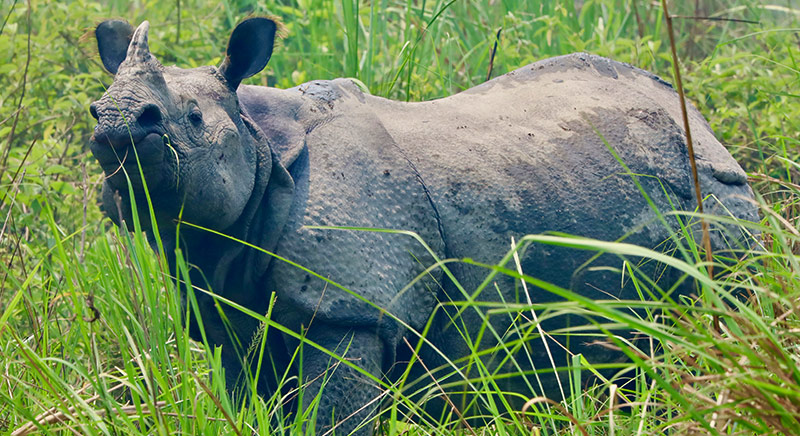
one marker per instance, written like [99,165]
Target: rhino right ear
[249,49]
[113,38]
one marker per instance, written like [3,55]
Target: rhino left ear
[249,49]
[113,37]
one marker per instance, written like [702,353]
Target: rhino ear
[249,49]
[113,37]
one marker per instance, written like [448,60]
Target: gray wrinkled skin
[520,154]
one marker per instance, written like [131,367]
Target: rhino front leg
[347,398]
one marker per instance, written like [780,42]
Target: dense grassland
[91,335]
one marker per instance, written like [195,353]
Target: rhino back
[528,152]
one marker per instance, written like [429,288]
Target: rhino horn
[138,59]
[139,50]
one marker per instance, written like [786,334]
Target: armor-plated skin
[524,153]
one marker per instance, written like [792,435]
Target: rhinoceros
[276,178]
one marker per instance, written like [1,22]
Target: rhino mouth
[121,158]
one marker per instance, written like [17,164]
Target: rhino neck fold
[240,267]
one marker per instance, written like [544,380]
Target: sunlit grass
[130,367]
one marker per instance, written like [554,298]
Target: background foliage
[133,370]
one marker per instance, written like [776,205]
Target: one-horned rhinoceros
[539,149]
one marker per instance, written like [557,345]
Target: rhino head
[201,157]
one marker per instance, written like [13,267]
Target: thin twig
[13,253]
[560,408]
[733,20]
[444,394]
[52,417]
[217,403]
[15,184]
[639,24]
[690,146]
[178,33]
[494,52]
[7,152]
[759,176]
[359,410]
[8,15]
[539,328]
[81,253]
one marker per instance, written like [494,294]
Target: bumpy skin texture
[521,154]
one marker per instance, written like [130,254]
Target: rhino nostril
[151,115]
[93,111]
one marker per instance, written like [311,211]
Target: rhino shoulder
[326,94]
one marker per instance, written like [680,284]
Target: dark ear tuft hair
[113,38]
[249,49]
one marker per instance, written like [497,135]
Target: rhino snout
[122,135]
[117,130]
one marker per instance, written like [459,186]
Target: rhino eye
[195,116]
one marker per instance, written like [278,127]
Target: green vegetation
[133,370]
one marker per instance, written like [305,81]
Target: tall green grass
[92,336]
